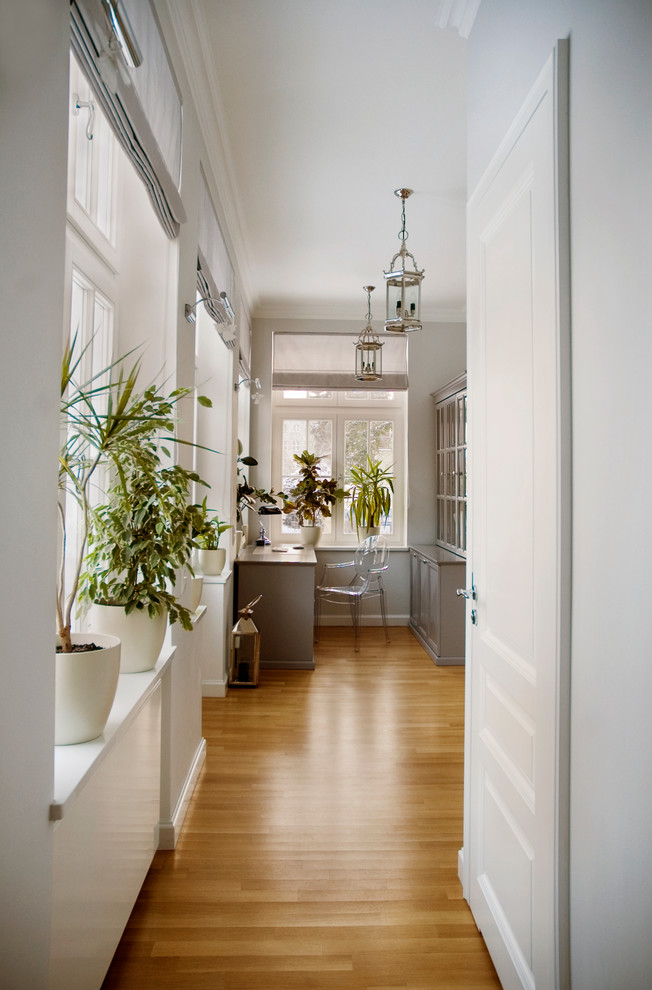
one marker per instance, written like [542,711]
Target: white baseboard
[214,689]
[169,831]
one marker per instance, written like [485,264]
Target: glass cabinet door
[451,495]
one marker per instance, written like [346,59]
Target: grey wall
[436,354]
[611,254]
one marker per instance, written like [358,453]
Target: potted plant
[206,532]
[106,423]
[370,495]
[247,496]
[312,498]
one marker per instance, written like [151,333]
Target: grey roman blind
[142,104]
[327,361]
[214,269]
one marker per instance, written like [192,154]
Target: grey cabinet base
[440,661]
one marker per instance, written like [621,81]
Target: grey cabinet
[437,614]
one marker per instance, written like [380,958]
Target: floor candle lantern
[245,649]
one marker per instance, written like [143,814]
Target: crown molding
[458,14]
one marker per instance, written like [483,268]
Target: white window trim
[339,409]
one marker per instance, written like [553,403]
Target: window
[91,161]
[342,428]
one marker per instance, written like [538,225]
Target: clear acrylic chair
[365,570]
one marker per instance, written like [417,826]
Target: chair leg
[383,613]
[318,617]
[356,624]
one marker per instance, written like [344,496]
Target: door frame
[558,66]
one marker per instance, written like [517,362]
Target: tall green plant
[106,421]
[139,539]
[313,495]
[371,493]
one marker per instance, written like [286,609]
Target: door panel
[515,877]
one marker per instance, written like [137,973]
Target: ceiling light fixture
[403,283]
[368,349]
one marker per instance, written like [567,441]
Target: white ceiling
[314,111]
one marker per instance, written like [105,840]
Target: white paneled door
[518,624]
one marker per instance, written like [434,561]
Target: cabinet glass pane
[461,472]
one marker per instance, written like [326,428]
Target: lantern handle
[248,609]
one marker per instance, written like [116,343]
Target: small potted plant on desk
[370,495]
[312,498]
[206,532]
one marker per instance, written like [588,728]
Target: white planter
[212,562]
[85,686]
[310,536]
[196,587]
[141,635]
[369,531]
[188,589]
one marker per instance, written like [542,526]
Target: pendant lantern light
[368,349]
[403,283]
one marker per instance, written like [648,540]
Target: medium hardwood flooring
[320,847]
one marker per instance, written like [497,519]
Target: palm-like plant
[371,493]
[105,421]
[313,496]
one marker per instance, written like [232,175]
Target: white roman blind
[327,361]
[142,103]
[214,269]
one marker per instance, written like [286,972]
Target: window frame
[338,408]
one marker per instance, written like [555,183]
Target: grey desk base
[285,614]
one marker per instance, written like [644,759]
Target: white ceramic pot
[188,589]
[310,535]
[370,531]
[141,635]
[196,587]
[211,562]
[85,686]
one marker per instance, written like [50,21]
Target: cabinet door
[424,597]
[433,630]
[415,588]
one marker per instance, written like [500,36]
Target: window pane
[316,436]
[381,443]
[320,442]
[295,432]
[356,444]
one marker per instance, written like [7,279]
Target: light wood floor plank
[320,846]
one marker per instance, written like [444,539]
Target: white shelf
[74,765]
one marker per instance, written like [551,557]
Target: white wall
[32,205]
[34,54]
[611,255]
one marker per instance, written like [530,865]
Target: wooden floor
[320,847]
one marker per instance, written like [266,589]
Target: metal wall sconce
[403,284]
[257,395]
[223,300]
[368,349]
